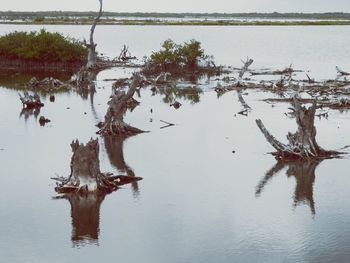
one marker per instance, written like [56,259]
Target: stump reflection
[304,173]
[114,148]
[85,213]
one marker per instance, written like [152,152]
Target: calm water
[198,201]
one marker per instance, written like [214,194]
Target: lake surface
[198,201]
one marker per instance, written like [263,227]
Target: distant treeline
[11,15]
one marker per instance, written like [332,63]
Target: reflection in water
[85,213]
[27,112]
[304,173]
[171,94]
[114,149]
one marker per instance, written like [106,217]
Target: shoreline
[185,23]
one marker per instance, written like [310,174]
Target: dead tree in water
[302,144]
[85,172]
[84,78]
[114,119]
[92,46]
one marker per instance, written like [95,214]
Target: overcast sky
[228,6]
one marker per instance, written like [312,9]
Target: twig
[169,124]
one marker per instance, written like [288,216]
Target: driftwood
[304,173]
[245,67]
[47,84]
[287,71]
[30,101]
[85,172]
[124,55]
[302,144]
[114,119]
[342,72]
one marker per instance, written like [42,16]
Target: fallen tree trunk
[85,172]
[302,144]
[114,119]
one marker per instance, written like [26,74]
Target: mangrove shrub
[175,55]
[41,46]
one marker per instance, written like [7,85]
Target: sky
[200,6]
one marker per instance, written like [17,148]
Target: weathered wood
[342,72]
[85,172]
[302,144]
[92,46]
[245,67]
[114,119]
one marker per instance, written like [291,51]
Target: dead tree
[84,78]
[92,46]
[114,119]
[302,144]
[30,101]
[85,172]
[124,55]
[304,173]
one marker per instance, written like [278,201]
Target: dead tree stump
[31,101]
[114,119]
[302,144]
[85,172]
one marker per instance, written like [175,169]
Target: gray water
[198,200]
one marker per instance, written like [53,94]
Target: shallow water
[198,201]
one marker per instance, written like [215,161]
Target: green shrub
[171,54]
[41,46]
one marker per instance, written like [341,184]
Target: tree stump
[31,101]
[302,144]
[114,119]
[85,172]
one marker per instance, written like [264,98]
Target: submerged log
[302,144]
[85,172]
[114,119]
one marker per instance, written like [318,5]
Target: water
[197,201]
